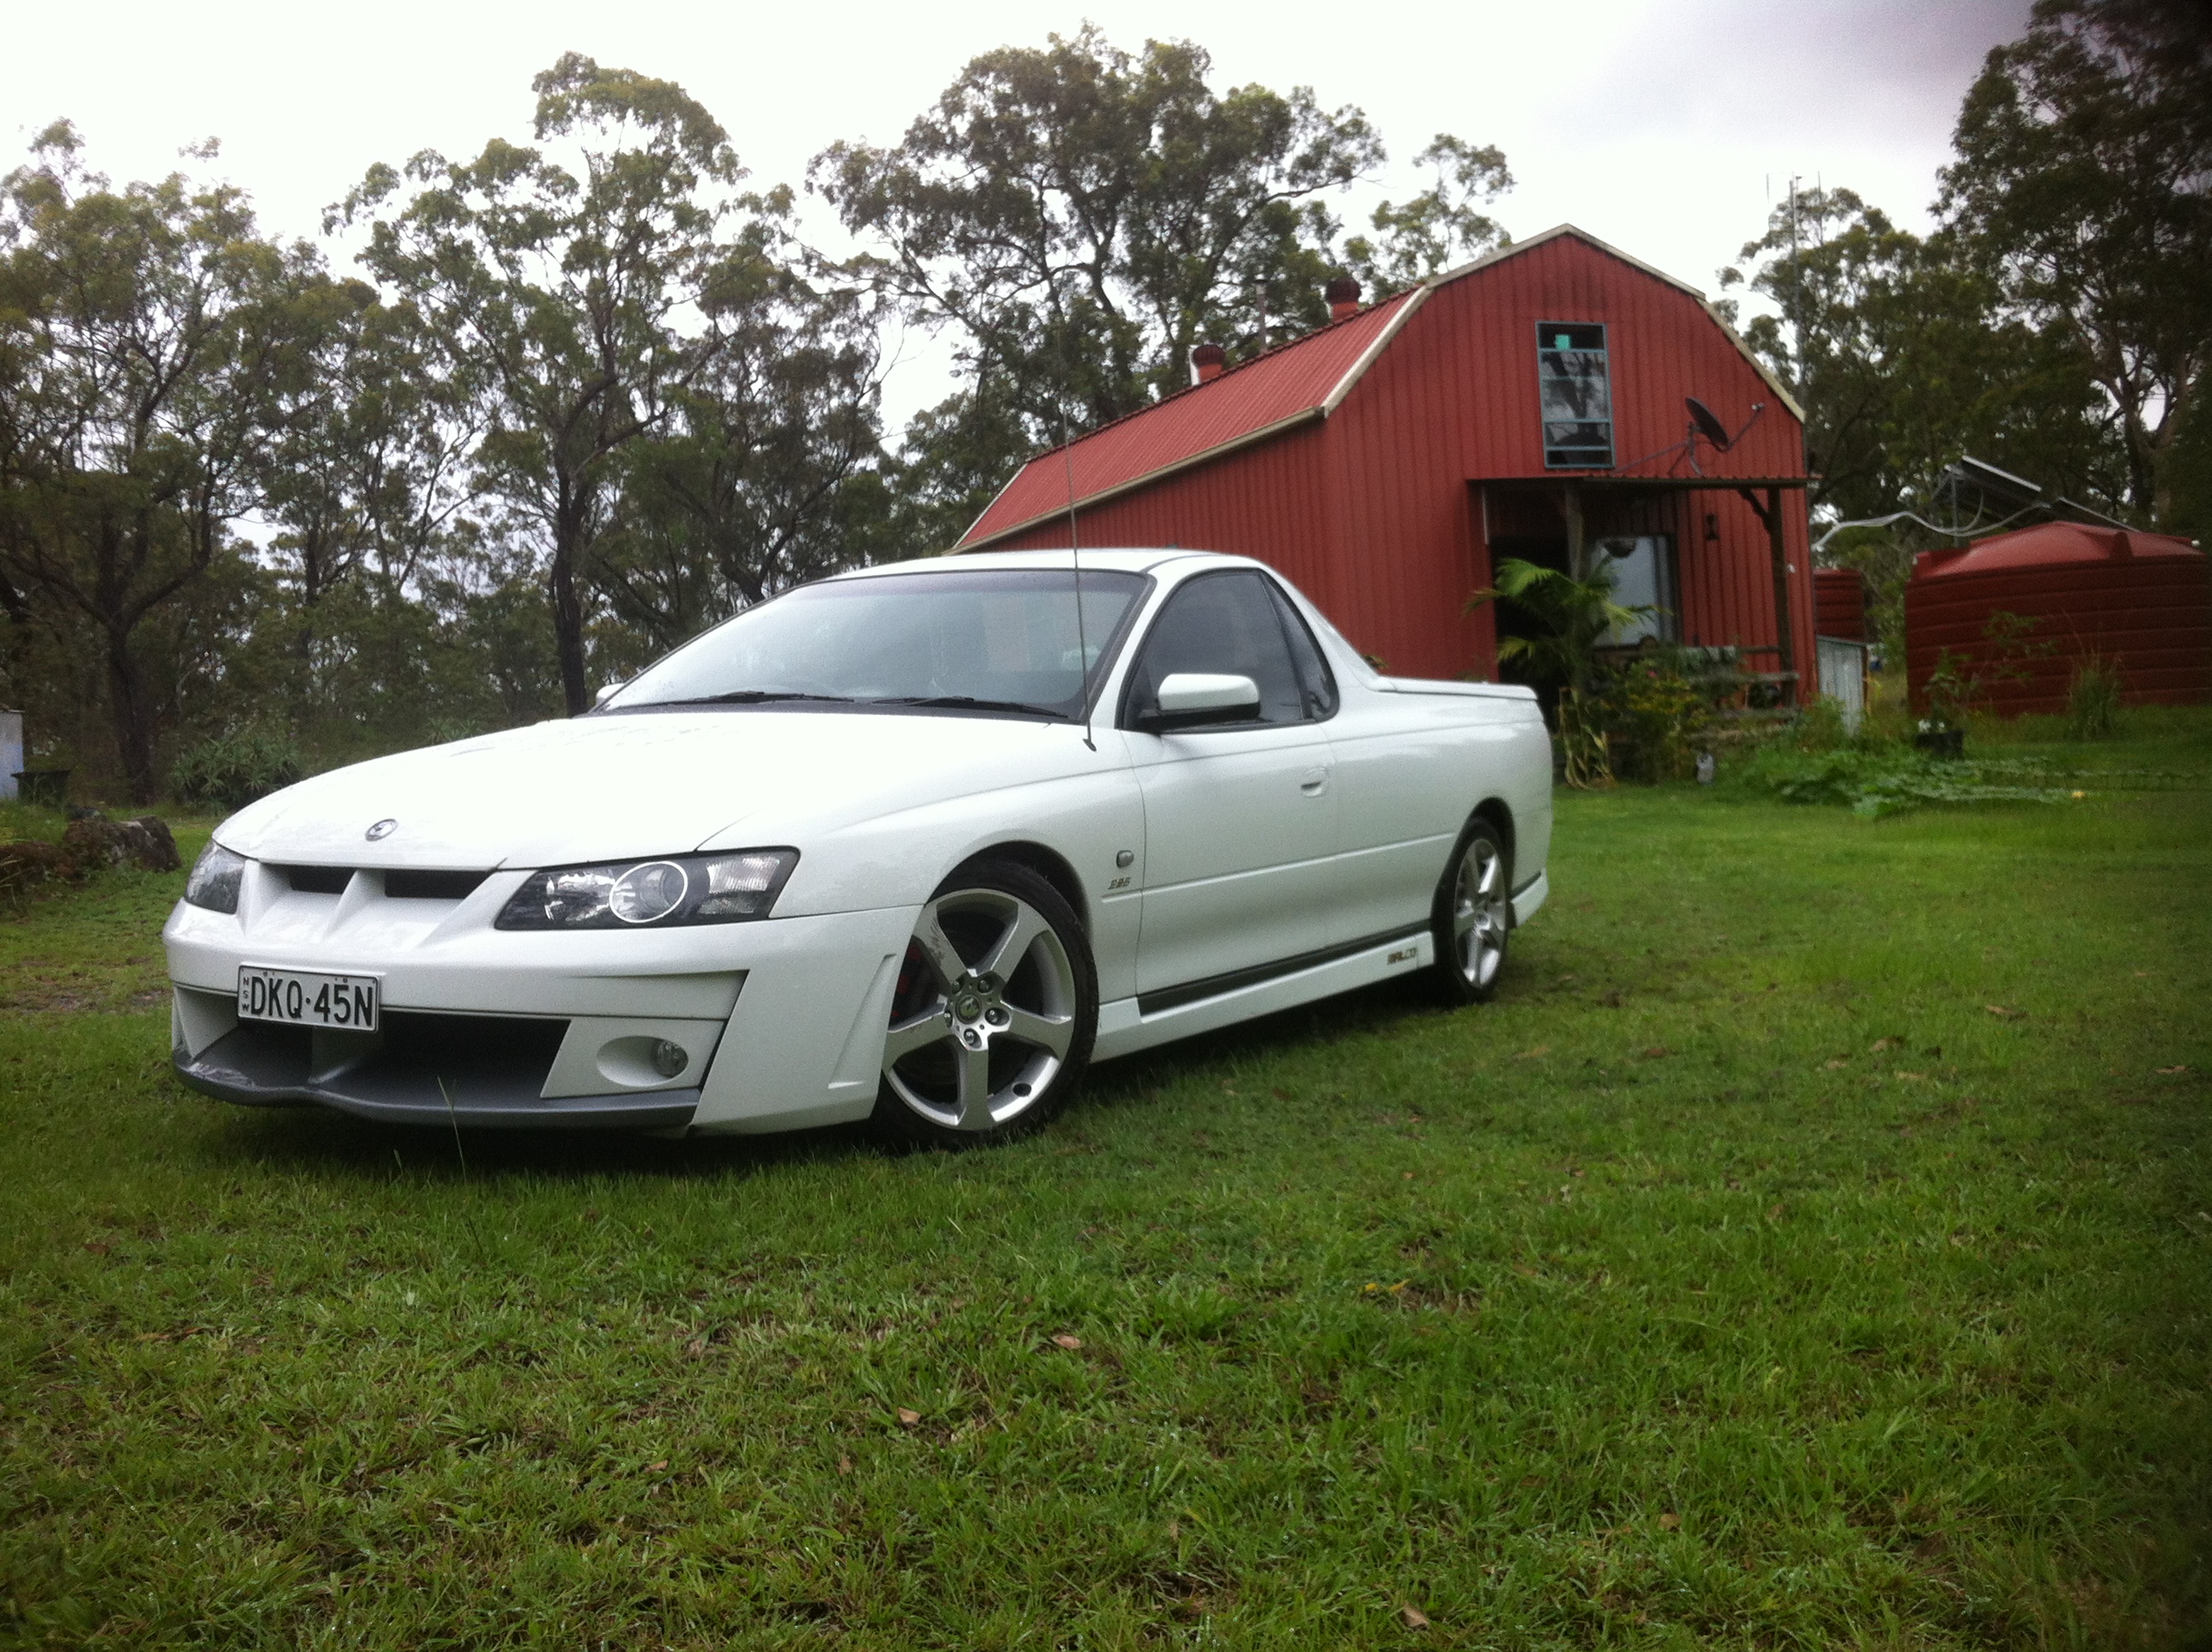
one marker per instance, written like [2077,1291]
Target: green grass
[1742,1279]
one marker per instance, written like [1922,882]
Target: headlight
[684,888]
[215,877]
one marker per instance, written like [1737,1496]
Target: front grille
[432,885]
[398,885]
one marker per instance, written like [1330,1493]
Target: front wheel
[991,1021]
[1473,917]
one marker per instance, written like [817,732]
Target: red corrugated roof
[1287,384]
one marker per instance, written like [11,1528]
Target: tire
[1473,917]
[993,1015]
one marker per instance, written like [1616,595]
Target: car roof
[1116,559]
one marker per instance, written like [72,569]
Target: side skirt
[1129,1024]
[1530,896]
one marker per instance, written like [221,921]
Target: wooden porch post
[1777,553]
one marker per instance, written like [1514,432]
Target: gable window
[1574,392]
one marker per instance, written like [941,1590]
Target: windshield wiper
[969,702]
[753,697]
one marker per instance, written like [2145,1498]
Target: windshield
[993,640]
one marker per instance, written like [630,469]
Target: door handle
[1314,783]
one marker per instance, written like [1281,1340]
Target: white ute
[915,843]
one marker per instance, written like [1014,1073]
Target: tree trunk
[134,718]
[569,633]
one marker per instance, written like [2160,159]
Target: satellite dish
[1709,425]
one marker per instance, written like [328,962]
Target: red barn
[1534,404]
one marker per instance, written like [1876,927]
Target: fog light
[669,1060]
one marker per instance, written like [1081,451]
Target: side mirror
[602,696]
[1190,698]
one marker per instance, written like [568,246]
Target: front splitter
[242,1068]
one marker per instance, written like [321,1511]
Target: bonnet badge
[382,830]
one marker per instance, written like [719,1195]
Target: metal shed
[1532,403]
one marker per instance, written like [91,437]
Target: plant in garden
[1881,779]
[1573,619]
[2092,698]
[1959,680]
[1654,711]
[1951,688]
[232,768]
[1818,725]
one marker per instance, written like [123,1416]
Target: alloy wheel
[1482,915]
[985,1012]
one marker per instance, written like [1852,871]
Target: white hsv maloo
[917,844]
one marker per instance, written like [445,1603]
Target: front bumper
[783,1019]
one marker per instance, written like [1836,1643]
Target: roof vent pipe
[1343,296]
[1210,361]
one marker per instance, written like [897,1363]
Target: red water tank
[2144,601]
[1839,603]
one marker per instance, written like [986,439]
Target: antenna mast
[1074,544]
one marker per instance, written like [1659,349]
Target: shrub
[1818,725]
[2093,699]
[235,767]
[1655,709]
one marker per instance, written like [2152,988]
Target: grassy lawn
[1810,1248]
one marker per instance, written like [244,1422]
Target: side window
[1313,675]
[1220,622]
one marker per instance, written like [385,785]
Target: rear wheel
[1473,917]
[996,1006]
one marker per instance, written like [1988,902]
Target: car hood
[610,787]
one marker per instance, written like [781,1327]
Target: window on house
[1575,395]
[1643,567]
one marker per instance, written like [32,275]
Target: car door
[1240,817]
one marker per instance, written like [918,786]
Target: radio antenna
[1074,542]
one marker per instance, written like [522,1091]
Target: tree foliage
[555,291]
[143,332]
[1904,359]
[1443,226]
[1081,217]
[1084,216]
[2083,186]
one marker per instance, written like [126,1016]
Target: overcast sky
[1664,128]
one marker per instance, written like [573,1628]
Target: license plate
[307,1000]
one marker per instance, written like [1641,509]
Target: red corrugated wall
[1839,603]
[1371,514]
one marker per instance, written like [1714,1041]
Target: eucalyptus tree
[1443,226]
[367,461]
[1904,357]
[2083,184]
[753,483]
[1084,216]
[565,294]
[141,335]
